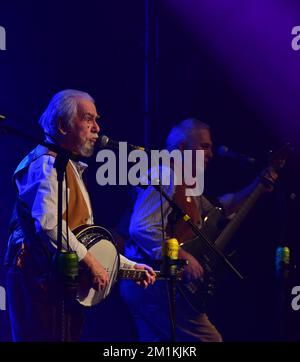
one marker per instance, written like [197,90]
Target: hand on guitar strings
[150,275]
[193,270]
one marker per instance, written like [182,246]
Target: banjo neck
[136,274]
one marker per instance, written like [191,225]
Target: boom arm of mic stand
[53,147]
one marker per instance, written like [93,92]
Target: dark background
[244,84]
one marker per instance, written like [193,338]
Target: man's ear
[62,126]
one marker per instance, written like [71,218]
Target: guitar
[101,245]
[195,291]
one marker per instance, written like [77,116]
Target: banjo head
[100,244]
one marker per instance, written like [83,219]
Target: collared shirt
[38,189]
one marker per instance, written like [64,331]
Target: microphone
[2,118]
[66,269]
[282,261]
[105,142]
[170,257]
[224,151]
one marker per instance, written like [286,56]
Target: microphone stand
[173,264]
[62,259]
[65,263]
[169,267]
[171,273]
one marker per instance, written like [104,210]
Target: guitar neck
[277,163]
[239,217]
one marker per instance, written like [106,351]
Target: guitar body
[196,292]
[100,244]
[213,225]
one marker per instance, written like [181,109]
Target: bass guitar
[195,292]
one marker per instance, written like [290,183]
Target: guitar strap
[182,231]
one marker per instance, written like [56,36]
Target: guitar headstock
[277,161]
[278,158]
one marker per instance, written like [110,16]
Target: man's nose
[95,127]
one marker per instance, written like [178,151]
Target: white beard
[87,149]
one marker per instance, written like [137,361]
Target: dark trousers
[38,313]
[151,313]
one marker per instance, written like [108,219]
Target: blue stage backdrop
[230,64]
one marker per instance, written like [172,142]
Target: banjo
[102,246]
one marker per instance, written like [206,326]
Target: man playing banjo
[70,121]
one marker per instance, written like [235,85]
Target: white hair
[62,105]
[183,132]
